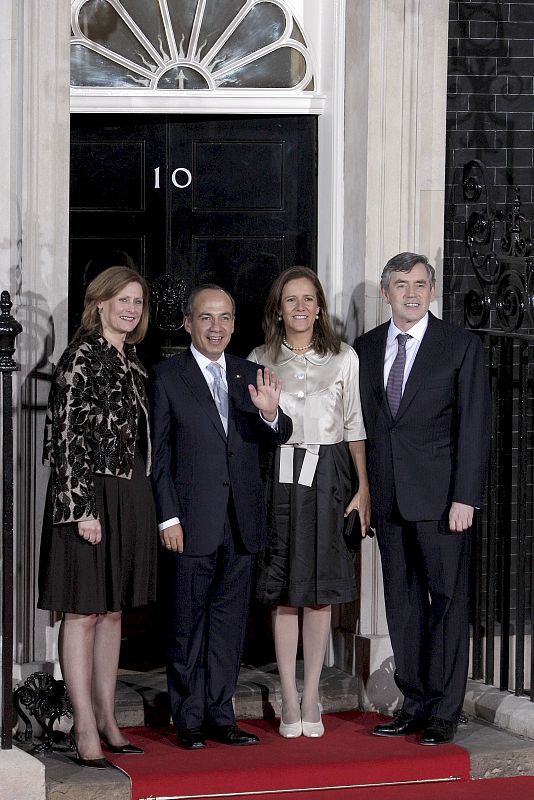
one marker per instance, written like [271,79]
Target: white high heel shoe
[313,729]
[289,730]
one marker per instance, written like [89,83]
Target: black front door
[226,200]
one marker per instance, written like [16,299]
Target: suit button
[226,483]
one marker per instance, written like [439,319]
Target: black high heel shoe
[127,749]
[94,763]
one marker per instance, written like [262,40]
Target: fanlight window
[188,44]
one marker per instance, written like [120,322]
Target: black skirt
[82,578]
[309,559]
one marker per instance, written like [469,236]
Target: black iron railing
[503,556]
[501,311]
[9,330]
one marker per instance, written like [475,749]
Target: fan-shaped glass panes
[188,45]
[100,22]
[284,67]
[182,16]
[216,18]
[146,14]
[92,69]
[263,25]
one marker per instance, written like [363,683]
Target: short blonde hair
[105,286]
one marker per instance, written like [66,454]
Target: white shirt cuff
[273,424]
[168,523]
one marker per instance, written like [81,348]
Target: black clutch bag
[352,532]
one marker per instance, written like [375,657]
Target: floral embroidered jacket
[91,422]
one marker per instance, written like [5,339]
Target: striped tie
[396,374]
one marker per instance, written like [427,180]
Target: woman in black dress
[308,563]
[98,548]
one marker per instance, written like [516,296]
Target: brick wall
[490,116]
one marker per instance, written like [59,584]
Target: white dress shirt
[204,362]
[412,346]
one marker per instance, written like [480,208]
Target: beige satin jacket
[320,393]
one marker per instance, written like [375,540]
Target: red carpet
[347,756]
[521,788]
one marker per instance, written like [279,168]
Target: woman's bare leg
[105,666]
[285,621]
[76,644]
[315,631]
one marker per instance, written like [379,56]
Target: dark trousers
[212,598]
[426,586]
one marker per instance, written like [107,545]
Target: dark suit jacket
[196,466]
[435,451]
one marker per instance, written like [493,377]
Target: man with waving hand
[210,414]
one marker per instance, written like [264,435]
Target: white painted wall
[406,138]
[34,141]
[10,222]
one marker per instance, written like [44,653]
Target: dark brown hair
[325,340]
[105,286]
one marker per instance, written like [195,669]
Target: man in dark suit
[210,412]
[425,400]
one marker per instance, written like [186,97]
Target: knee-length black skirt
[309,559]
[81,578]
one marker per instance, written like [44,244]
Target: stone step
[142,700]
[142,696]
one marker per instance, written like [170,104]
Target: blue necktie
[396,374]
[220,395]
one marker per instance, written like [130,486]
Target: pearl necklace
[299,349]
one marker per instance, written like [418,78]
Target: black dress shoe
[230,734]
[190,739]
[401,725]
[438,731]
